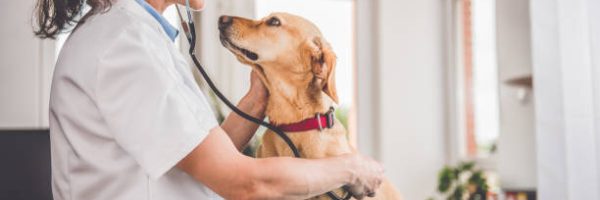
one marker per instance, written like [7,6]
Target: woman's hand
[254,103]
[368,175]
[258,94]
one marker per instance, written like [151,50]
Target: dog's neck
[288,104]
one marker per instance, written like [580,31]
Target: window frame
[455,103]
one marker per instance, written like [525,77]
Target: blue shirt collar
[171,31]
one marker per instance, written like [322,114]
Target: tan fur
[297,66]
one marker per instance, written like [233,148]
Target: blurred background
[460,99]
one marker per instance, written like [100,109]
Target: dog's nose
[225,22]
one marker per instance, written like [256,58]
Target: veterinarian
[127,120]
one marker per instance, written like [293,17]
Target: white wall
[25,69]
[367,72]
[411,64]
[516,144]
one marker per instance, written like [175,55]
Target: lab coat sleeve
[153,115]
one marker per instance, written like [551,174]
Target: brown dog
[297,66]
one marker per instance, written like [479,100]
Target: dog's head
[281,47]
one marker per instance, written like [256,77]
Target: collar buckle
[330,117]
[318,118]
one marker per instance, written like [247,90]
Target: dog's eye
[274,22]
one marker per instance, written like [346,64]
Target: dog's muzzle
[225,24]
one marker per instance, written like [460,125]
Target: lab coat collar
[171,31]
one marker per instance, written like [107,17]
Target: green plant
[461,182]
[341,114]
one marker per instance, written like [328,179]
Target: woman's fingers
[256,84]
[369,177]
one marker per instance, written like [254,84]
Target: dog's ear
[323,61]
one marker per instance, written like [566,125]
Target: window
[477,78]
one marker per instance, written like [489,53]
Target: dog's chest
[311,144]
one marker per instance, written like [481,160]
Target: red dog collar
[319,122]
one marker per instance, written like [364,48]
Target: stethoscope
[190,33]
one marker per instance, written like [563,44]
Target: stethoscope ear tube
[190,33]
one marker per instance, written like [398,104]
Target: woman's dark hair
[56,16]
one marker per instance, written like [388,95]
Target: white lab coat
[124,110]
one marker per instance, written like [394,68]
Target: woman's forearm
[216,163]
[291,178]
[239,129]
